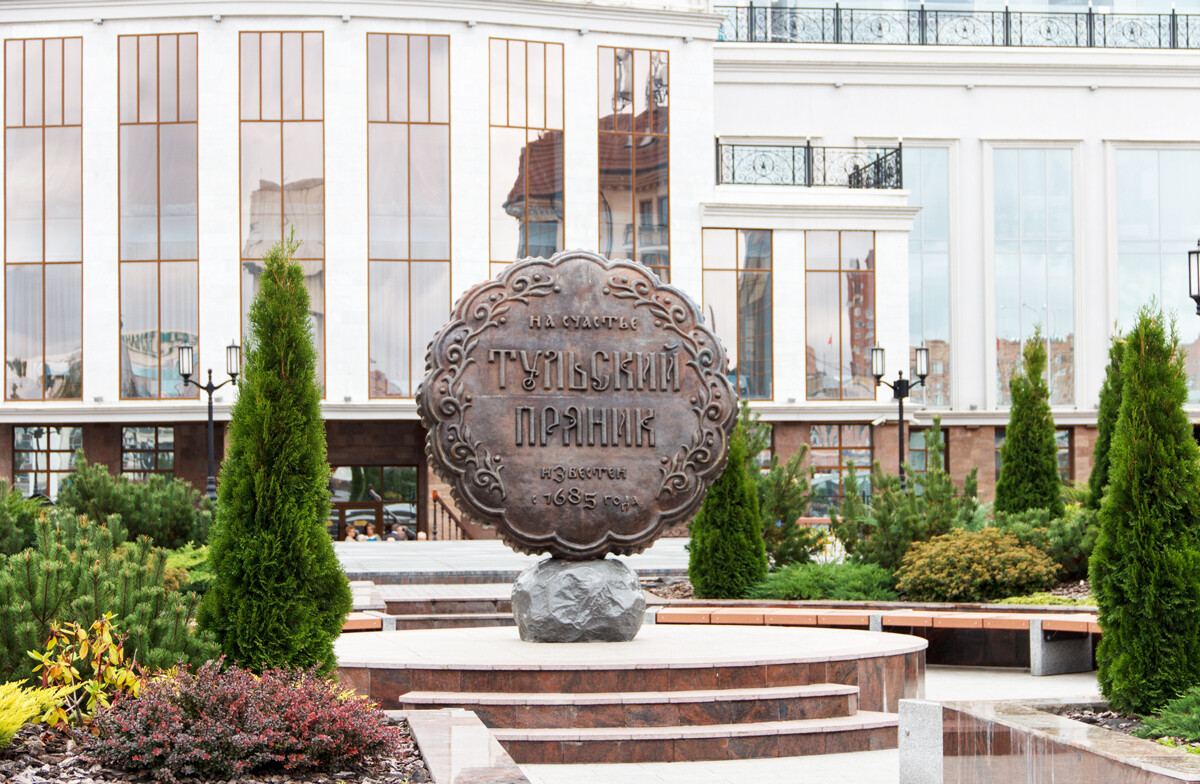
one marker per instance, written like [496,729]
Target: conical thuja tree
[1029,458]
[1110,409]
[1145,569]
[278,597]
[727,554]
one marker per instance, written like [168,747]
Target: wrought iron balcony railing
[959,28]
[774,164]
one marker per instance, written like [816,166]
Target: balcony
[808,166]
[1087,29]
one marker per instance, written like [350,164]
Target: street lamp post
[233,366]
[901,388]
[1194,275]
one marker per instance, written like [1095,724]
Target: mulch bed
[40,755]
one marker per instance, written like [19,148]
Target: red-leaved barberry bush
[224,724]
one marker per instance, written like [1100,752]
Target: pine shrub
[167,509]
[78,571]
[18,518]
[973,566]
[1068,540]
[726,554]
[881,532]
[1106,422]
[224,725]
[1178,718]
[847,581]
[1145,568]
[1029,458]
[278,596]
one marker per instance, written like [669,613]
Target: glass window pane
[168,78]
[270,65]
[856,435]
[755,250]
[858,250]
[430,191]
[177,191]
[418,78]
[34,59]
[430,311]
[377,77]
[139,192]
[262,201]
[54,81]
[720,248]
[554,86]
[388,191]
[14,82]
[147,78]
[72,81]
[314,76]
[23,195]
[187,78]
[536,80]
[507,201]
[823,360]
[64,331]
[516,83]
[398,78]
[304,186]
[858,335]
[166,461]
[293,77]
[139,330]
[824,436]
[754,333]
[720,311]
[821,250]
[166,438]
[23,329]
[179,311]
[64,194]
[249,88]
[389,329]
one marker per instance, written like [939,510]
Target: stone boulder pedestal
[557,600]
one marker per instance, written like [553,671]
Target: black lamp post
[901,388]
[233,366]
[1194,275]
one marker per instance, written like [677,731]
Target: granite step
[863,731]
[448,606]
[646,709]
[452,620]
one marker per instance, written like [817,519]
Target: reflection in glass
[139,192]
[179,311]
[929,268]
[64,331]
[823,353]
[387,187]
[64,194]
[139,330]
[840,315]
[389,332]
[634,174]
[179,215]
[1034,264]
[304,186]
[262,203]
[430,190]
[754,334]
[1154,233]
[23,372]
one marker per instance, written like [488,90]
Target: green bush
[20,705]
[1178,718]
[882,531]
[278,596]
[726,553]
[1049,599]
[78,571]
[188,569]
[1145,568]
[1068,540]
[973,566]
[18,516]
[1106,422]
[166,509]
[840,581]
[1029,457]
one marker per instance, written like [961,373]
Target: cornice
[77,412]
[840,215]
[587,17]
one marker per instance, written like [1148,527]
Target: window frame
[142,474]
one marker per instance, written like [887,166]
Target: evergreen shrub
[847,581]
[1145,568]
[881,532]
[1029,476]
[167,509]
[1106,422]
[973,566]
[278,596]
[726,553]
[21,705]
[1178,718]
[77,572]
[225,725]
[1068,540]
[18,517]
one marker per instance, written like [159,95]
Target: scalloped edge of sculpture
[473,471]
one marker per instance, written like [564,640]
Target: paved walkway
[487,556]
[876,767]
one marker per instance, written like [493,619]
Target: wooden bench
[1058,642]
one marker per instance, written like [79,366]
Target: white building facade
[823,185]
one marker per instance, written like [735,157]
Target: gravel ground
[40,755]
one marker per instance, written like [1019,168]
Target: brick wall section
[191,451]
[973,446]
[102,444]
[1083,450]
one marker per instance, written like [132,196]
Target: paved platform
[478,561]
[876,767]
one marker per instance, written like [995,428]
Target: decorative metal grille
[838,25]
[808,166]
